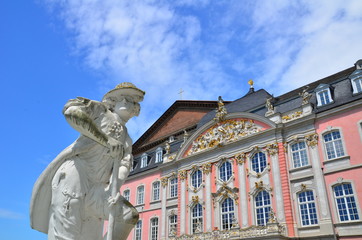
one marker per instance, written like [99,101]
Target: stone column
[164,183]
[206,169]
[243,202]
[182,221]
[312,142]
[272,150]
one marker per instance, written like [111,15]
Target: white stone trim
[330,129]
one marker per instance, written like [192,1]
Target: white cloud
[7,214]
[212,48]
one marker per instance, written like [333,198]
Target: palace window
[138,230]
[140,194]
[356,80]
[227,213]
[196,179]
[225,171]
[126,194]
[196,219]
[172,227]
[323,93]
[262,208]
[308,212]
[333,145]
[156,191]
[346,203]
[154,228]
[159,152]
[144,160]
[299,154]
[173,187]
[258,162]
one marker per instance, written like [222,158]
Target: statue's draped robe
[70,198]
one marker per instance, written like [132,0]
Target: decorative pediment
[225,192]
[222,133]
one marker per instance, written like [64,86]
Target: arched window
[173,187]
[126,194]
[159,153]
[140,194]
[144,160]
[156,191]
[225,171]
[258,162]
[262,208]
[138,230]
[299,154]
[333,144]
[227,213]
[196,218]
[172,227]
[196,179]
[307,209]
[154,228]
[346,203]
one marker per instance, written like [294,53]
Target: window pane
[345,201]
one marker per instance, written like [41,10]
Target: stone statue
[79,189]
[269,106]
[305,95]
[221,111]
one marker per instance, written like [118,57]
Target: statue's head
[124,100]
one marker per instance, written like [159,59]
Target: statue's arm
[78,113]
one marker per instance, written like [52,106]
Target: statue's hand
[115,148]
[113,200]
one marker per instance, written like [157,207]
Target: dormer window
[323,93]
[356,81]
[144,160]
[159,153]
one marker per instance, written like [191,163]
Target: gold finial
[251,82]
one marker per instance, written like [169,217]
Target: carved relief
[240,158]
[206,168]
[272,149]
[223,133]
[312,139]
[164,181]
[305,96]
[292,116]
[182,175]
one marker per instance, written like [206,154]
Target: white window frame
[197,218]
[309,204]
[127,196]
[196,178]
[345,203]
[264,208]
[154,228]
[228,173]
[138,230]
[140,195]
[172,223]
[144,160]
[297,155]
[156,191]
[229,214]
[256,157]
[173,187]
[159,155]
[333,143]
[323,95]
[356,81]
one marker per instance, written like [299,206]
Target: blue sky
[51,51]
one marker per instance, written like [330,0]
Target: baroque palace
[286,167]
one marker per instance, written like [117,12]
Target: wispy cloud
[211,48]
[7,214]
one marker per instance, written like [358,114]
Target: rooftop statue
[79,189]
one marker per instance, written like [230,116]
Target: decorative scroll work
[223,133]
[182,175]
[272,149]
[312,139]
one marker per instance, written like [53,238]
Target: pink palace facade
[264,167]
